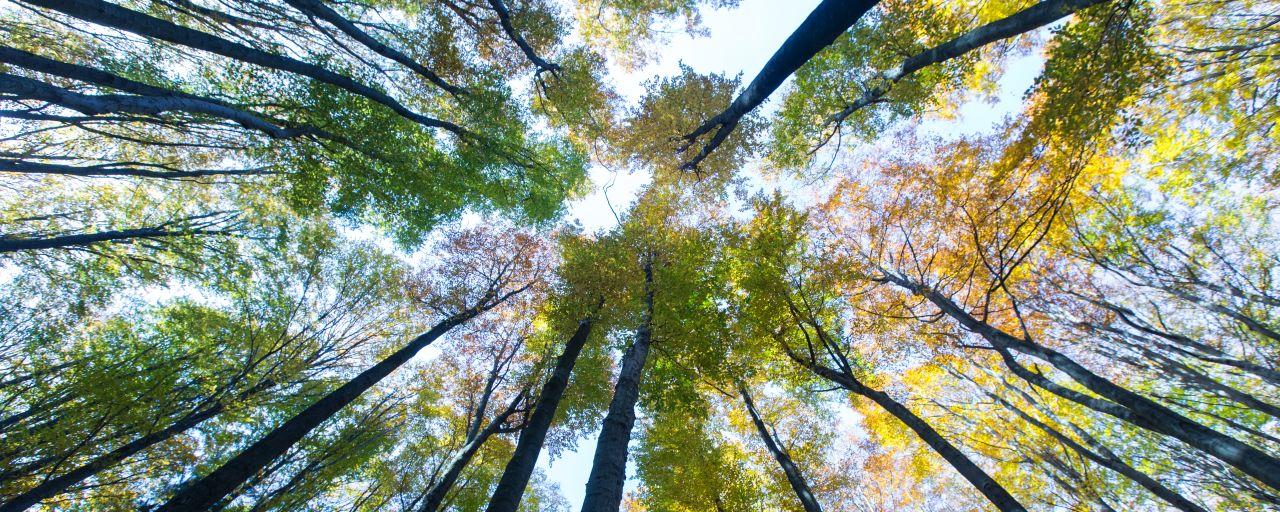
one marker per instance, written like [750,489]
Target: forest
[372,256]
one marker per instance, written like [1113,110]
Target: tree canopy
[294,255]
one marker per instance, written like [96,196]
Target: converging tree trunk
[149,100]
[208,490]
[206,224]
[780,454]
[845,377]
[1105,459]
[58,485]
[132,169]
[435,496]
[828,21]
[609,467]
[114,16]
[1018,23]
[1115,400]
[515,477]
[318,9]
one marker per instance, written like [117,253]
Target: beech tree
[372,256]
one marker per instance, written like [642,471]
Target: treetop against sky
[679,255]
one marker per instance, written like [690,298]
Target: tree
[779,452]
[338,125]
[780,289]
[474,288]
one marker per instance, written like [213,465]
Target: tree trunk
[1106,460]
[825,23]
[58,485]
[188,102]
[506,496]
[117,236]
[609,467]
[789,468]
[110,15]
[958,460]
[318,9]
[208,490]
[435,497]
[91,104]
[504,19]
[1018,23]
[112,170]
[1117,401]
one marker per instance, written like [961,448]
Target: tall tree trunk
[1116,401]
[110,170]
[609,467]
[515,478]
[825,23]
[208,490]
[789,468]
[96,104]
[1194,378]
[178,228]
[114,16]
[58,485]
[158,99]
[504,19]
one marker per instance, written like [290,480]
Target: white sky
[740,40]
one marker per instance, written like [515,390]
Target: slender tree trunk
[58,485]
[1116,400]
[609,467]
[117,236]
[1108,461]
[958,460]
[1245,320]
[114,16]
[111,170]
[515,478]
[789,468]
[172,100]
[825,23]
[88,104]
[504,19]
[1178,343]
[435,496]
[1018,23]
[32,410]
[1195,378]
[318,9]
[208,490]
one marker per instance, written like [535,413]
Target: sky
[738,40]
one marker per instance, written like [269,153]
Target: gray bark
[1116,400]
[779,453]
[609,466]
